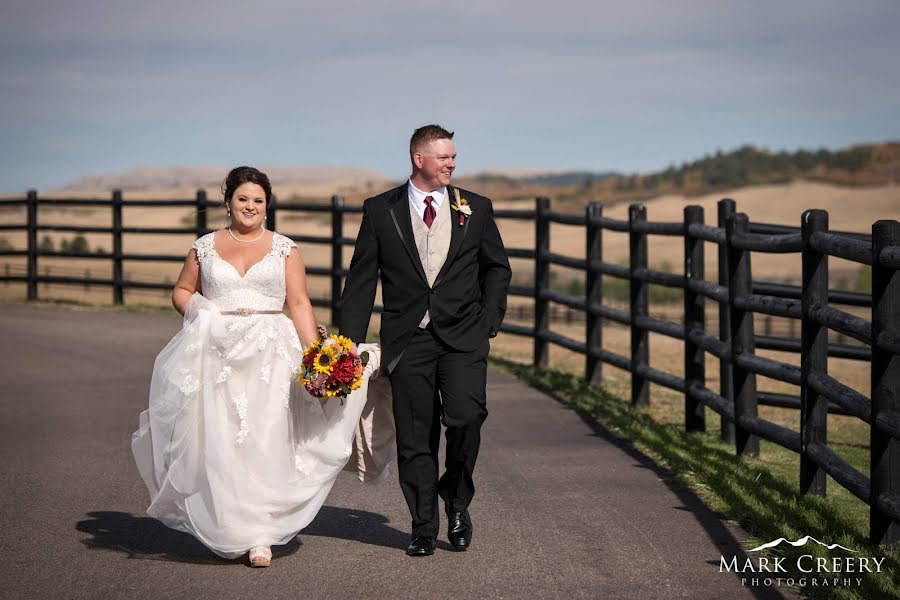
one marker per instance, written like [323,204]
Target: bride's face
[248,206]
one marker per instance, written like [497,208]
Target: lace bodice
[262,286]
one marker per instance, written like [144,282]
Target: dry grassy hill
[183,181]
[850,209]
[868,165]
[857,186]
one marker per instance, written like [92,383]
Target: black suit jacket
[468,299]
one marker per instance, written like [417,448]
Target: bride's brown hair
[241,175]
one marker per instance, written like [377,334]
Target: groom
[444,277]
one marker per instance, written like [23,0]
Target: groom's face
[435,163]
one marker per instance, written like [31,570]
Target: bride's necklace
[256,239]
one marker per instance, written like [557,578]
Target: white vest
[433,244]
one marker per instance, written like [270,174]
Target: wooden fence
[118,282]
[739,298]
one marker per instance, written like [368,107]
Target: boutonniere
[462,207]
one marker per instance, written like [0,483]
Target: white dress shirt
[417,199]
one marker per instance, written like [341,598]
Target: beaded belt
[246,312]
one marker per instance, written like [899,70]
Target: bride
[232,449]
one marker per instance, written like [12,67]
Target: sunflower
[357,381]
[325,360]
[343,343]
[334,388]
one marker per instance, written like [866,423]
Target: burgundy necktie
[430,213]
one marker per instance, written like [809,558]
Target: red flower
[344,370]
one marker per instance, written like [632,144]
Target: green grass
[759,494]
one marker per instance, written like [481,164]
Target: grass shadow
[765,503]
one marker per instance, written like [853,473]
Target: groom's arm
[355,308]
[494,273]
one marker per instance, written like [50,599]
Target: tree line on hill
[870,164]
[749,165]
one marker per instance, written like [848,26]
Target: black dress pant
[433,383]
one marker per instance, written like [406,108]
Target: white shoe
[260,556]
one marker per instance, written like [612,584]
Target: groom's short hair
[427,134]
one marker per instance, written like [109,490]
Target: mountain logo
[800,542]
[807,570]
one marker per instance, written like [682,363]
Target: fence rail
[739,299]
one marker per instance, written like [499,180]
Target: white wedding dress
[232,449]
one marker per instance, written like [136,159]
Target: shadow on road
[712,522]
[146,538]
[360,526]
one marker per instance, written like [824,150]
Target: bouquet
[330,369]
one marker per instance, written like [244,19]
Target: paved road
[564,510]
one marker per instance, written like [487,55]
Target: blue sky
[97,86]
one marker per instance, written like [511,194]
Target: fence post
[694,320]
[337,256]
[118,287]
[593,291]
[726,207]
[813,353]
[200,219]
[740,283]
[32,203]
[640,347]
[884,447]
[541,281]
[270,213]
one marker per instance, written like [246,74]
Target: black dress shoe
[459,530]
[421,546]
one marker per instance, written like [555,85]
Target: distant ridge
[552,178]
[571,178]
[857,166]
[865,165]
[196,177]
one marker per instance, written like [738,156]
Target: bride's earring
[227,218]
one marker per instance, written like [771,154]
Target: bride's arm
[298,299]
[188,282]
